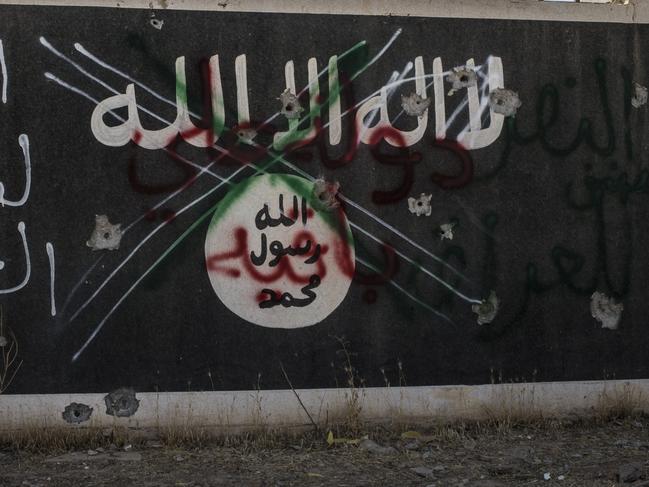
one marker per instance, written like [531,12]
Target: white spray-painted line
[121,73]
[79,283]
[399,253]
[390,92]
[51,48]
[397,286]
[3,70]
[128,292]
[202,170]
[396,77]
[163,224]
[107,66]
[144,241]
[50,255]
[28,262]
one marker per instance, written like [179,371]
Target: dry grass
[621,401]
[9,363]
[59,439]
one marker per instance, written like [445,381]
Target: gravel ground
[604,454]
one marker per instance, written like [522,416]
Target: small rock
[179,458]
[629,472]
[547,476]
[423,472]
[92,452]
[373,447]
[413,445]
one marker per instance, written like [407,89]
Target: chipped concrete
[487,310]
[121,403]
[326,193]
[640,95]
[76,413]
[420,206]
[504,101]
[414,105]
[461,77]
[105,236]
[446,230]
[291,107]
[606,310]
[157,23]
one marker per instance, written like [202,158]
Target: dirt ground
[567,454]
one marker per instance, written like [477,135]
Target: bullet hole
[461,77]
[639,95]
[606,310]
[121,403]
[247,135]
[446,230]
[105,236]
[503,101]
[415,105]
[76,413]
[156,23]
[487,309]
[420,206]
[326,193]
[291,107]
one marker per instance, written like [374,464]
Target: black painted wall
[555,209]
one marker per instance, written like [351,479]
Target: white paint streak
[3,70]
[23,141]
[50,255]
[241,74]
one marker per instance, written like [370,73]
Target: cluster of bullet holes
[120,403]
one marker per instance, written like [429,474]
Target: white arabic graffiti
[474,136]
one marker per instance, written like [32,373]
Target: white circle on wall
[276,255]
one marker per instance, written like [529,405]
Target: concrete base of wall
[281,408]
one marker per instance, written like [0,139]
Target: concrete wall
[447,200]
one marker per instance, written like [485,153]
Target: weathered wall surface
[430,234]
